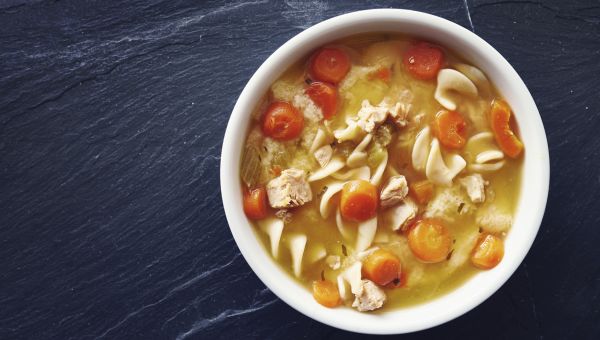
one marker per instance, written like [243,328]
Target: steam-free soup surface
[382,171]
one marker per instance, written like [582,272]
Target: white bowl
[534,186]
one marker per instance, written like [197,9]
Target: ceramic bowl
[534,186]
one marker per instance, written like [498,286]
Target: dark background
[112,115]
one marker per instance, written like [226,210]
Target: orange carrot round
[326,293]
[400,282]
[255,203]
[429,241]
[451,129]
[382,267]
[488,252]
[423,60]
[358,201]
[325,96]
[505,137]
[330,65]
[282,121]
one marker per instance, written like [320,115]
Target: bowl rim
[534,186]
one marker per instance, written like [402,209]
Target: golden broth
[424,281]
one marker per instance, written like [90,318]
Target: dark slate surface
[112,115]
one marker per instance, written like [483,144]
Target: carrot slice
[488,252]
[255,203]
[329,65]
[382,267]
[358,201]
[423,60]
[505,137]
[421,191]
[451,129]
[400,282]
[326,293]
[282,121]
[325,96]
[429,240]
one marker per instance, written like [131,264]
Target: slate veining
[112,115]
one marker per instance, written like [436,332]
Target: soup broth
[380,151]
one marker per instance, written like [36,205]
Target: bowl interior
[534,186]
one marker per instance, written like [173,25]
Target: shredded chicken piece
[370,116]
[475,186]
[405,99]
[400,119]
[393,191]
[400,215]
[368,296]
[284,215]
[289,190]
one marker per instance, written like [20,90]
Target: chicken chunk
[368,296]
[404,100]
[393,191]
[475,186]
[399,216]
[284,215]
[370,116]
[324,154]
[290,189]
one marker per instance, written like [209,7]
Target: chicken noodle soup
[382,171]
